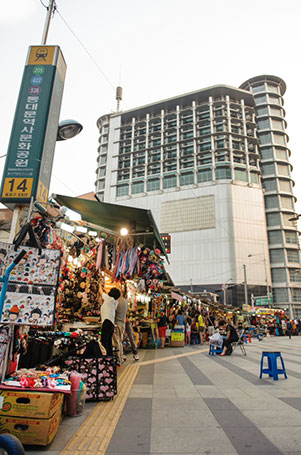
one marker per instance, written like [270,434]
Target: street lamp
[224,289]
[68,129]
[266,276]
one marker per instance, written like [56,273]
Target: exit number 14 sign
[17,187]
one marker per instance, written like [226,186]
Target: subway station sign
[29,160]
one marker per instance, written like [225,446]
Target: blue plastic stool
[272,369]
[213,349]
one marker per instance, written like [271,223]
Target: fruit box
[29,404]
[32,431]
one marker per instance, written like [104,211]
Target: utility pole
[47,22]
[245,285]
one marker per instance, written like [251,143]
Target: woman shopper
[231,337]
[107,312]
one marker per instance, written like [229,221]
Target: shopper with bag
[107,312]
[231,337]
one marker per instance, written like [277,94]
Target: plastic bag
[216,339]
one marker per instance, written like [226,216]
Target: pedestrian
[162,326]
[120,318]
[289,329]
[107,312]
[188,331]
[130,334]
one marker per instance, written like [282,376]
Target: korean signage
[30,153]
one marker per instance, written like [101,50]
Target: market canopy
[113,217]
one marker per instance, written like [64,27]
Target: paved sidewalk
[182,401]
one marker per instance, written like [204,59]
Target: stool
[213,349]
[247,337]
[272,370]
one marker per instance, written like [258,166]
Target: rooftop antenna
[118,97]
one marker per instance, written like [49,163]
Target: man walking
[120,318]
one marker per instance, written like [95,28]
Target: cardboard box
[29,404]
[32,431]
[177,344]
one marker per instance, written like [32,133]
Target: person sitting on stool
[231,336]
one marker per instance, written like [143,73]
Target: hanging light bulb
[124,231]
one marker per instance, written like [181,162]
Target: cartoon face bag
[32,287]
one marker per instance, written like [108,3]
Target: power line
[88,53]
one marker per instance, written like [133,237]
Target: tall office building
[278,187]
[194,161]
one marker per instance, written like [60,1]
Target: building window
[285,186]
[223,173]
[295,275]
[287,202]
[263,124]
[268,169]
[291,237]
[262,111]
[187,178]
[271,202]
[103,159]
[260,99]
[104,149]
[153,184]
[292,255]
[169,181]
[272,88]
[274,237]
[280,295]
[277,125]
[269,185]
[279,139]
[100,197]
[204,146]
[101,184]
[122,190]
[273,219]
[296,295]
[287,219]
[276,256]
[281,154]
[254,177]
[258,88]
[205,158]
[138,187]
[102,172]
[170,166]
[276,111]
[265,138]
[266,153]
[275,99]
[241,174]
[283,169]
[278,275]
[154,169]
[204,175]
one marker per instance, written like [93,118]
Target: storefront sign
[30,153]
[177,336]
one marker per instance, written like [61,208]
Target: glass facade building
[202,144]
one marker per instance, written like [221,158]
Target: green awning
[113,217]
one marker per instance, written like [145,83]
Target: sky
[154,50]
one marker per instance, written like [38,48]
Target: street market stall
[54,300]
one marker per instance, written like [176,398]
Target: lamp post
[245,286]
[266,276]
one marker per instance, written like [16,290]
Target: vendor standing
[107,312]
[231,336]
[120,318]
